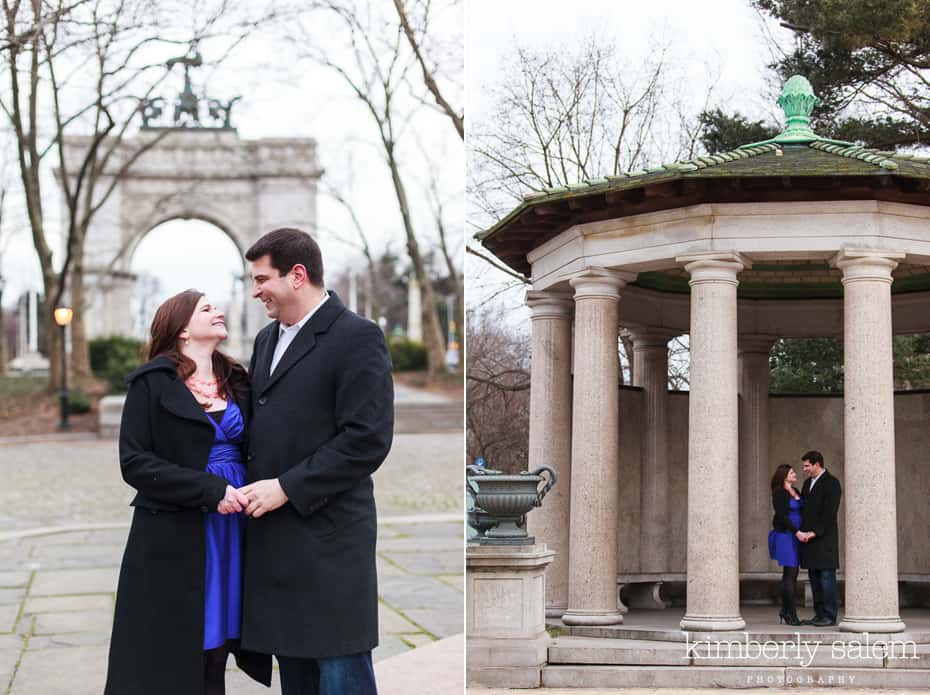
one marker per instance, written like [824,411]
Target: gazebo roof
[797,165]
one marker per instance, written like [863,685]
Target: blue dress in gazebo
[784,545]
[223,587]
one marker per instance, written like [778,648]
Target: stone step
[605,651]
[922,660]
[591,650]
[645,632]
[581,676]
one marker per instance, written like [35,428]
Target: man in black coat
[323,420]
[820,553]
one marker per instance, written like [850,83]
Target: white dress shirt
[816,479]
[286,334]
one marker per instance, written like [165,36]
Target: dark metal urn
[506,499]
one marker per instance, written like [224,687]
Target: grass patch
[18,386]
[20,394]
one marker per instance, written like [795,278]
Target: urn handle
[474,470]
[549,483]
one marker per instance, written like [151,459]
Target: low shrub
[111,359]
[407,355]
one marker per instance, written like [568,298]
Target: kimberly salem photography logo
[798,651]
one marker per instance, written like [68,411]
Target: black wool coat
[322,424]
[821,507]
[164,443]
[781,503]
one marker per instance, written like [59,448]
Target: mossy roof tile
[818,158]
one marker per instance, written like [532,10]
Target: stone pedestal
[869,490]
[507,643]
[111,415]
[592,582]
[713,445]
[755,511]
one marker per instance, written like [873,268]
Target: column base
[888,624]
[712,623]
[555,611]
[582,617]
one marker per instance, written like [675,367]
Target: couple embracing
[254,526]
[804,533]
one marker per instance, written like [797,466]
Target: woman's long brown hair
[778,480]
[171,318]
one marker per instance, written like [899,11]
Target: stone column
[755,506]
[592,582]
[650,371]
[869,488]
[713,445]
[551,432]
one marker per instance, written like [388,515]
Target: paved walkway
[63,526]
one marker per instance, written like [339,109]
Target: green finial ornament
[797,100]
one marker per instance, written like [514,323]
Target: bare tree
[376,73]
[83,68]
[451,241]
[497,392]
[4,244]
[360,243]
[679,364]
[429,69]
[560,116]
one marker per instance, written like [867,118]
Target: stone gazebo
[798,236]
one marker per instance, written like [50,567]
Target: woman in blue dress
[784,546]
[179,598]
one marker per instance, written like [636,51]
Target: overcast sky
[284,97]
[713,41]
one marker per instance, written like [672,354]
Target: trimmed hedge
[407,355]
[78,402]
[111,359]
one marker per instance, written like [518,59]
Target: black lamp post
[63,316]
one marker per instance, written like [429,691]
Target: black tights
[789,578]
[214,670]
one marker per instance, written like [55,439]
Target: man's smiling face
[270,287]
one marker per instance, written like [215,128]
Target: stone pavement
[63,526]
[53,482]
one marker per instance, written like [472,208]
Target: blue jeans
[339,675]
[823,587]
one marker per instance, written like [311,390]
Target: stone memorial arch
[799,236]
[243,187]
[194,166]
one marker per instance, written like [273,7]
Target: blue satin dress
[224,537]
[784,545]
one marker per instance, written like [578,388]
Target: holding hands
[256,499]
[804,536]
[233,502]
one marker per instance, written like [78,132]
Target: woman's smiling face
[207,323]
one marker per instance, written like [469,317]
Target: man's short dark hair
[288,247]
[813,457]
